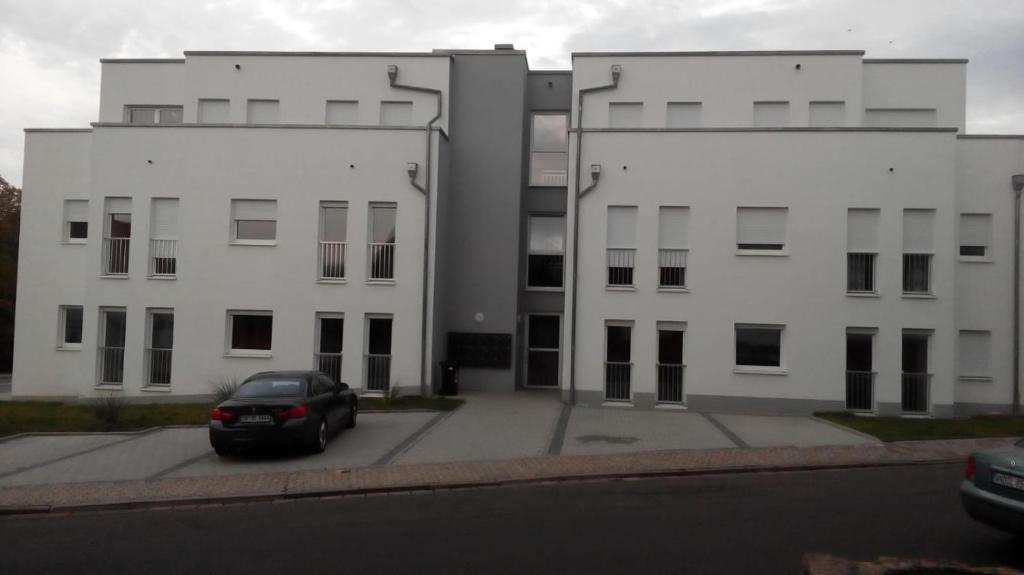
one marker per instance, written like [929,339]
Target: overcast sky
[50,49]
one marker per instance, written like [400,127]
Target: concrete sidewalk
[166,491]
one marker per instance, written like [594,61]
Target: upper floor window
[262,111]
[673,231]
[918,232]
[154,114]
[396,113]
[900,117]
[341,112]
[625,114]
[333,240]
[163,237]
[975,236]
[70,327]
[76,221]
[826,114]
[213,111]
[547,252]
[621,252]
[382,246]
[117,233]
[549,149]
[771,114]
[683,115]
[254,221]
[861,249]
[761,229]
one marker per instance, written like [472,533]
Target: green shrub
[109,409]
[224,388]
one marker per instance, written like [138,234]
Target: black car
[993,487]
[283,408]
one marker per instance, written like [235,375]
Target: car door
[320,400]
[333,400]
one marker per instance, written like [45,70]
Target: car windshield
[270,387]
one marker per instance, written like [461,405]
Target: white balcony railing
[158,366]
[915,393]
[672,268]
[620,266]
[860,391]
[110,368]
[332,260]
[617,376]
[163,258]
[378,372]
[329,363]
[115,256]
[670,382]
[382,261]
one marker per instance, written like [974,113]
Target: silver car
[993,487]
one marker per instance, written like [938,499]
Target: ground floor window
[378,353]
[543,341]
[330,331]
[250,332]
[159,346]
[758,345]
[618,366]
[670,362]
[110,360]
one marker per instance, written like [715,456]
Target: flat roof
[991,137]
[142,60]
[752,129]
[479,52]
[729,53]
[915,60]
[57,130]
[316,54]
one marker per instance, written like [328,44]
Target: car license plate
[260,419]
[1008,481]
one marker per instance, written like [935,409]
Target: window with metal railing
[159,347]
[916,379]
[116,244]
[549,149]
[621,243]
[333,240]
[673,241]
[163,233]
[917,273]
[672,268]
[860,379]
[621,262]
[918,247]
[382,245]
[618,368]
[378,354]
[860,273]
[670,367]
[110,352]
[330,330]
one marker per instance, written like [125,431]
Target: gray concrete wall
[488,94]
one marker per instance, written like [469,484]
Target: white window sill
[671,406]
[919,296]
[763,253]
[380,282]
[977,259]
[546,289]
[69,347]
[261,243]
[669,289]
[620,288]
[114,277]
[339,281]
[976,378]
[612,403]
[759,370]
[162,278]
[156,389]
[868,294]
[74,243]
[916,416]
[254,353]
[109,387]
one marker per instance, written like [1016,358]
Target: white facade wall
[139,83]
[917,85]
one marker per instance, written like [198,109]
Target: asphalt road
[754,523]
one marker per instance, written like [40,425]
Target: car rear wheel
[353,411]
[222,451]
[320,440]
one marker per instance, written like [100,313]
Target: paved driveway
[487,427]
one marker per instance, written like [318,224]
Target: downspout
[1017,181]
[595,174]
[412,169]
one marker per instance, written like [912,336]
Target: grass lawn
[29,416]
[905,429]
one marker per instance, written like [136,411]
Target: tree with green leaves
[10,220]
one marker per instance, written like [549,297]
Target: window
[154,114]
[382,245]
[900,118]
[341,112]
[975,235]
[396,113]
[263,111]
[549,149]
[333,240]
[758,346]
[670,362]
[621,235]
[761,229]
[254,221]
[861,249]
[250,332]
[547,252]
[214,111]
[918,226]
[625,114]
[117,233]
[163,234]
[683,115]
[76,221]
[860,376]
[975,355]
[618,366]
[330,341]
[69,327]
[542,349]
[673,232]
[826,114]
[916,381]
[378,353]
[110,351]
[771,114]
[159,346]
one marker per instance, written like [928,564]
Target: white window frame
[158,112]
[148,349]
[782,251]
[229,332]
[978,377]
[987,257]
[234,240]
[530,252]
[531,182]
[62,342]
[65,235]
[322,315]
[761,369]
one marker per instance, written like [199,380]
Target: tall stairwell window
[549,149]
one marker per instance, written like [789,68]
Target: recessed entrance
[543,333]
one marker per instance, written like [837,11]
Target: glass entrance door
[542,350]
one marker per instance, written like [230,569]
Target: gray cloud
[49,49]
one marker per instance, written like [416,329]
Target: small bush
[224,388]
[392,393]
[109,409]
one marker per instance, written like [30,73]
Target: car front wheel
[353,410]
[320,440]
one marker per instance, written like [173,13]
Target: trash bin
[449,378]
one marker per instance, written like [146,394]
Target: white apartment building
[778,232]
